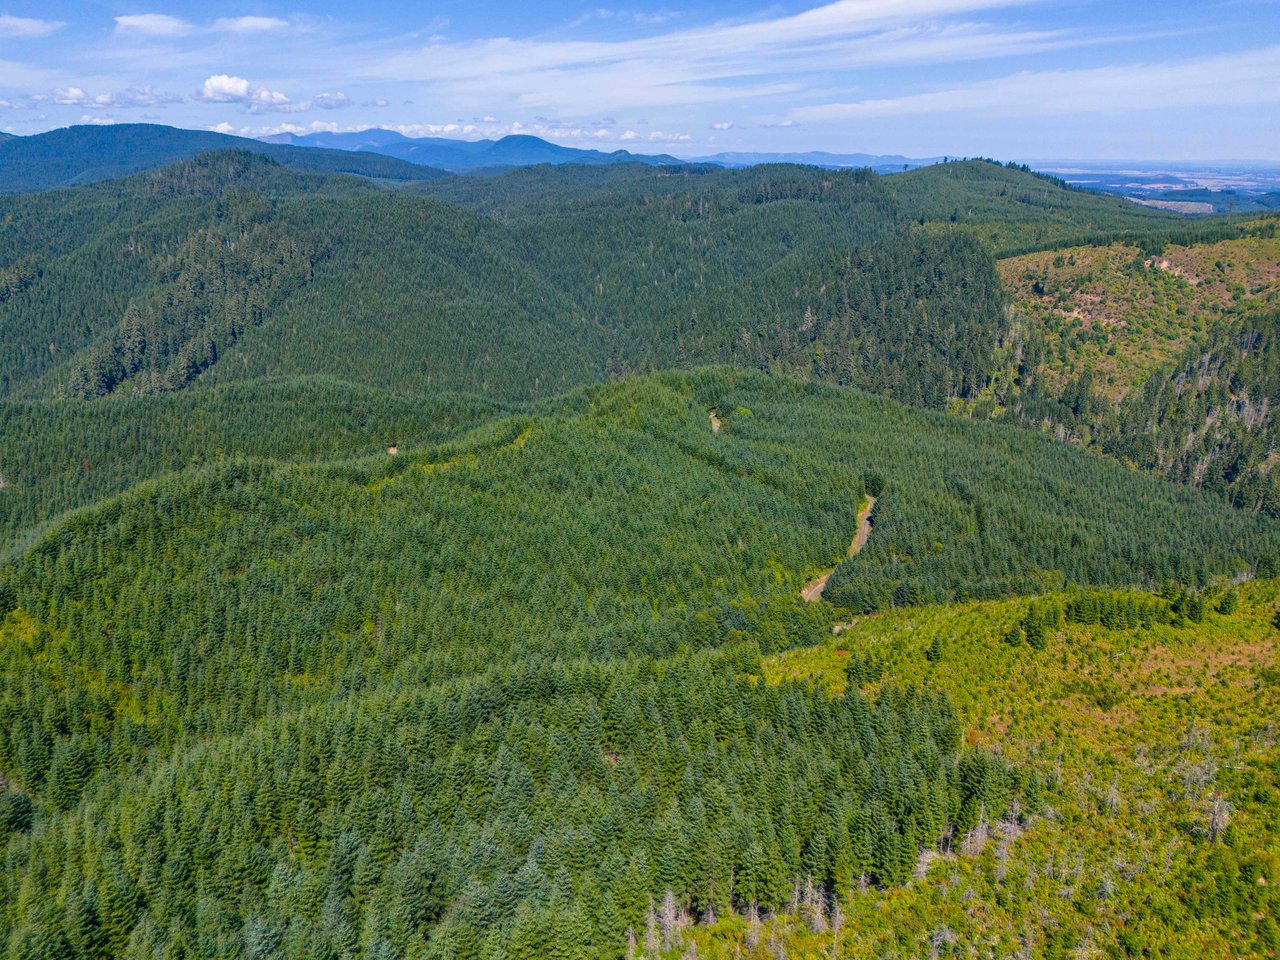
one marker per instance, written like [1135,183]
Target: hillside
[1149,820]
[1123,314]
[231,267]
[1163,358]
[227,267]
[84,154]
[57,455]
[1015,210]
[374,699]
[146,284]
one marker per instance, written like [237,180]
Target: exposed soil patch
[813,589]
[1177,206]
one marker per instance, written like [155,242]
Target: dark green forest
[56,455]
[495,693]
[230,267]
[403,570]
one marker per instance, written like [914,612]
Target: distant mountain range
[84,154]
[524,151]
[465,155]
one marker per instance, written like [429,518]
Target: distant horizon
[1110,164]
[1189,83]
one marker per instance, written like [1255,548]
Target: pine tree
[933,653]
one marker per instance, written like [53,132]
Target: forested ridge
[228,266]
[495,694]
[385,573]
[56,455]
[88,153]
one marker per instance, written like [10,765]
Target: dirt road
[813,589]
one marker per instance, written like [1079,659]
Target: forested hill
[1008,206]
[1162,356]
[1015,210]
[416,567]
[56,455]
[83,154]
[228,266]
[496,695]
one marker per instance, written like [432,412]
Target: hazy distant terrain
[1230,187]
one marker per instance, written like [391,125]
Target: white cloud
[297,129]
[712,64]
[331,101]
[626,16]
[154,25]
[222,88]
[549,128]
[261,96]
[140,96]
[248,24]
[315,126]
[144,96]
[165,25]
[723,125]
[1237,79]
[662,16]
[28,27]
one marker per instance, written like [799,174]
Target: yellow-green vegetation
[1121,313]
[1161,355]
[1103,309]
[1152,826]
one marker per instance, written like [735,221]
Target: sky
[1180,80]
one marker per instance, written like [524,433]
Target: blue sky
[1177,80]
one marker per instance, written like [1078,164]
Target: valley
[439,567]
[1160,358]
